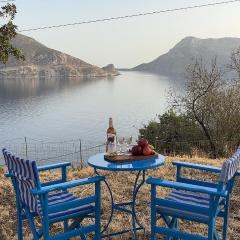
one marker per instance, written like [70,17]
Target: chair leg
[153,211]
[31,224]
[65,225]
[83,237]
[211,230]
[76,224]
[19,224]
[45,221]
[98,211]
[174,225]
[45,230]
[225,220]
[225,224]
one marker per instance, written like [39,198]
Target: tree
[235,61]
[214,104]
[8,32]
[172,133]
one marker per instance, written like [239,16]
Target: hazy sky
[128,42]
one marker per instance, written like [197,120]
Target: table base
[122,207]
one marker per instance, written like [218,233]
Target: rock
[42,61]
[111,69]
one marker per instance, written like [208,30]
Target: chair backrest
[230,167]
[25,178]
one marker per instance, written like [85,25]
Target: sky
[127,42]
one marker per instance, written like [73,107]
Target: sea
[64,110]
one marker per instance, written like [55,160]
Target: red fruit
[143,142]
[148,151]
[137,150]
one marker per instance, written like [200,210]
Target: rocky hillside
[174,62]
[45,62]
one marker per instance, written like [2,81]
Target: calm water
[63,110]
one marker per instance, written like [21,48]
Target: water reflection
[16,87]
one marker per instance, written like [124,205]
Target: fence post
[26,146]
[80,153]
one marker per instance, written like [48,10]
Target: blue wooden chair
[51,201]
[194,200]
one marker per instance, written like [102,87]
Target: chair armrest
[197,166]
[8,174]
[186,187]
[63,167]
[53,166]
[65,185]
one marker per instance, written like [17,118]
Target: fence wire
[77,151]
[45,152]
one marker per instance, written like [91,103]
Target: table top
[97,161]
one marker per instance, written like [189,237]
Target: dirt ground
[121,184]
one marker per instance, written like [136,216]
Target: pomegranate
[137,150]
[143,142]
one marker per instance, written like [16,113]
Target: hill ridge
[175,61]
[45,61]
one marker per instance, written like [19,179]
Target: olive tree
[7,33]
[214,104]
[235,61]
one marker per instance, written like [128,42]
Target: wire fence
[200,148]
[45,152]
[77,151]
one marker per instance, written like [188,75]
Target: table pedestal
[126,207]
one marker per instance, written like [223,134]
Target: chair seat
[191,198]
[63,197]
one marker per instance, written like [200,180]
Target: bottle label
[111,143]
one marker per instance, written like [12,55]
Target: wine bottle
[111,146]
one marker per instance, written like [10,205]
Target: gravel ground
[122,184]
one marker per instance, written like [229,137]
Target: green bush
[172,133]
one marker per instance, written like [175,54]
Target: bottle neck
[110,123]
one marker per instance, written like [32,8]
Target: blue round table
[99,163]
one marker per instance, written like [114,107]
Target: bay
[60,110]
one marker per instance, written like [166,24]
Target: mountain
[174,62]
[42,61]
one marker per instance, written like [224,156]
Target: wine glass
[128,142]
[120,142]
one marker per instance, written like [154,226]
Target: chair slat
[25,172]
[230,167]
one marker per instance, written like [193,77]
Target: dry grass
[122,184]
